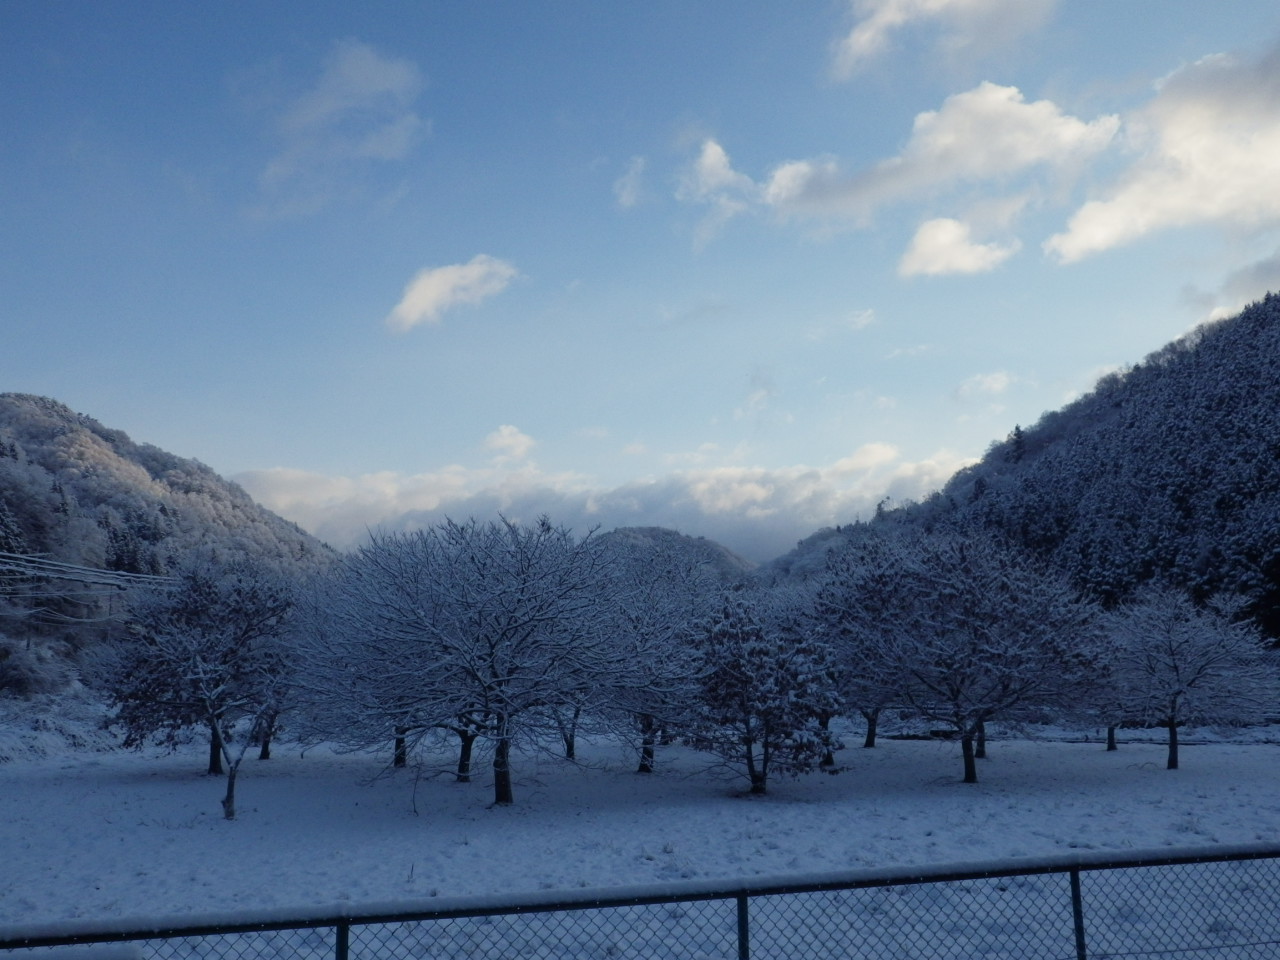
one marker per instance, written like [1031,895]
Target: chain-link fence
[1212,903]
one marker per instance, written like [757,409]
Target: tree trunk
[970,764]
[465,741]
[215,749]
[401,757]
[981,751]
[502,793]
[1111,738]
[757,773]
[229,801]
[873,722]
[828,756]
[268,731]
[569,732]
[648,735]
[1173,746]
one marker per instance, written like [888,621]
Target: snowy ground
[92,834]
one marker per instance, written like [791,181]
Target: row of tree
[501,635]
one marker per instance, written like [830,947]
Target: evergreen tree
[765,686]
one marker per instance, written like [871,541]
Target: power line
[21,565]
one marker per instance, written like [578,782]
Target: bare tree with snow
[1177,663]
[367,645]
[492,623]
[205,650]
[664,595]
[860,605]
[972,632]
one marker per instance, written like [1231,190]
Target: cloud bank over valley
[758,513]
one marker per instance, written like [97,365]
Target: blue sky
[740,269]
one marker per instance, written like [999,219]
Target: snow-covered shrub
[32,666]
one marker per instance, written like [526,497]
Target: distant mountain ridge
[77,492]
[727,566]
[143,501]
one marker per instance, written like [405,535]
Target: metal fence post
[1077,914]
[744,930]
[342,941]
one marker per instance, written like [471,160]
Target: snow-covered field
[92,834]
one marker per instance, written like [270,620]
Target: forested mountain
[1167,471]
[722,563]
[808,561]
[75,492]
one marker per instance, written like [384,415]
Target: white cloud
[755,405]
[989,133]
[988,136]
[434,290]
[806,186]
[944,246]
[984,132]
[761,390]
[852,322]
[627,188]
[712,173]
[711,180]
[917,350]
[870,37]
[337,509]
[360,109]
[793,181]
[1238,289]
[704,454]
[731,490]
[992,130]
[861,319]
[867,457]
[975,26]
[356,78]
[758,512]
[509,443]
[1207,150]
[986,384]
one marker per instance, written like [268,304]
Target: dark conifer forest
[1168,471]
